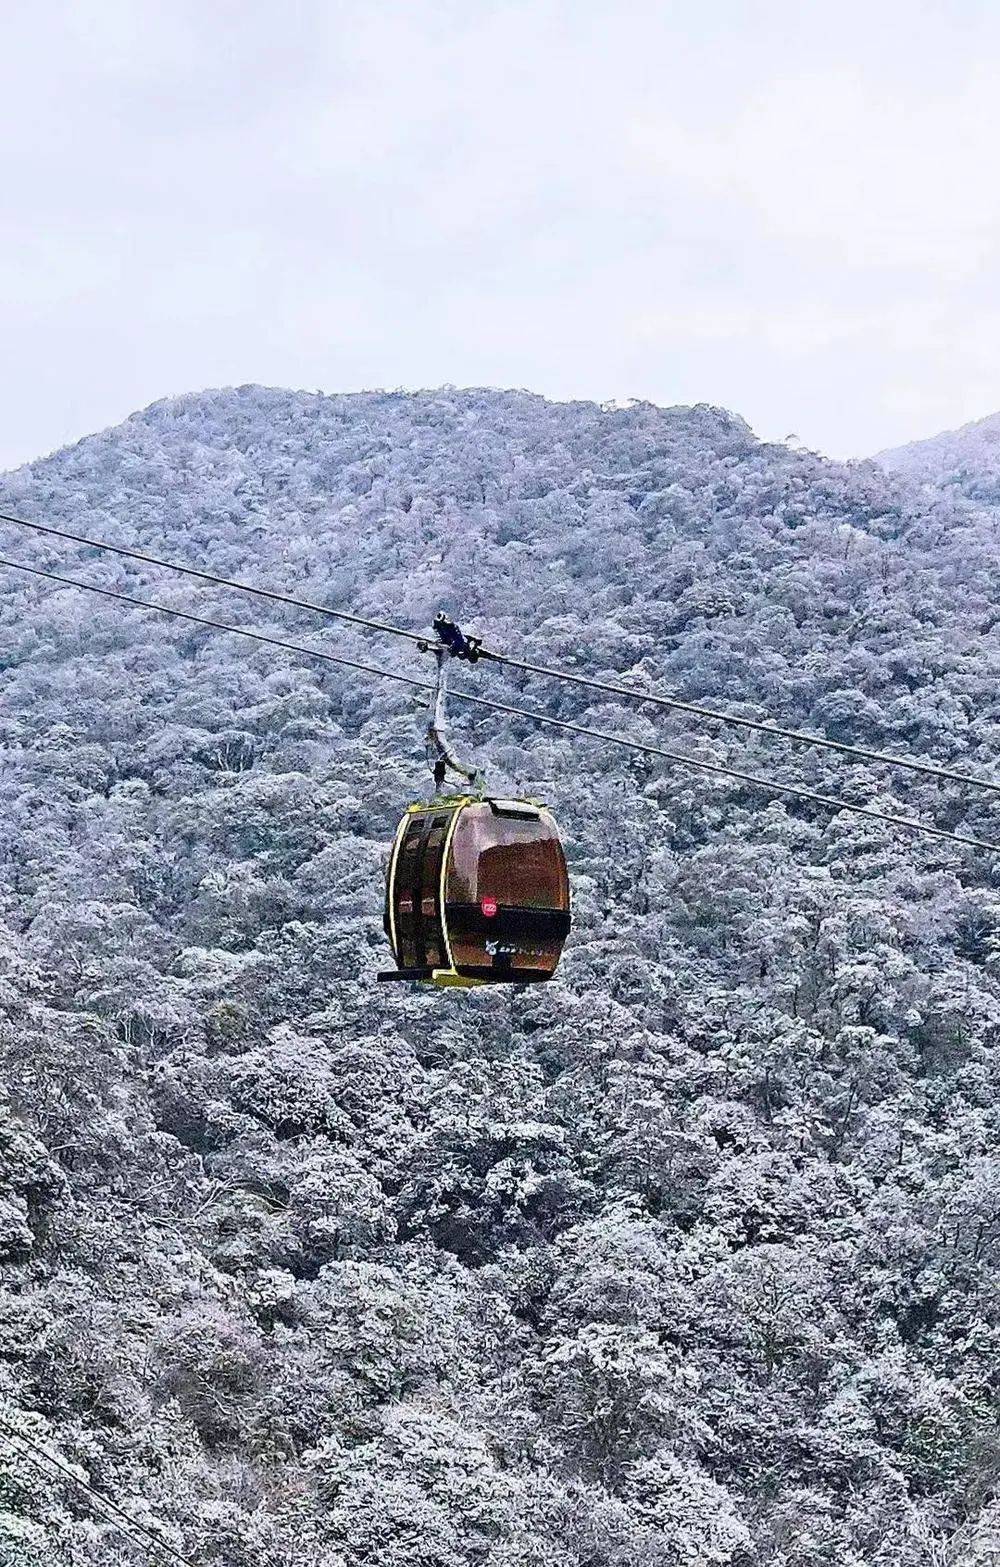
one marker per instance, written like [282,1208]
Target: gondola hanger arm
[450,644]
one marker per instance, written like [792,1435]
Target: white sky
[788,207]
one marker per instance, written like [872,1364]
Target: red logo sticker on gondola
[489,907]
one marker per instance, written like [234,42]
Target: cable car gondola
[478,891]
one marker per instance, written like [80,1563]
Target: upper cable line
[588,682]
[216,581]
[858,752]
[755,780]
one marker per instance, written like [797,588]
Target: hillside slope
[967,459]
[691,1257]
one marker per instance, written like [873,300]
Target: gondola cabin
[477,894]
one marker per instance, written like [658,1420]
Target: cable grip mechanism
[455,640]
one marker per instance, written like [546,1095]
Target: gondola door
[415,913]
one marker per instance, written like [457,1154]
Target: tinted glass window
[516,861]
[417,885]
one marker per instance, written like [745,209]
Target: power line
[829,802]
[611,688]
[127,1523]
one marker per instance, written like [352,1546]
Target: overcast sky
[788,207]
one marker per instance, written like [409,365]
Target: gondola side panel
[507,892]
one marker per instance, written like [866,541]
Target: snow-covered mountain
[690,1257]
[967,459]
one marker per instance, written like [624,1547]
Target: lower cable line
[132,1527]
[674,704]
[591,682]
[210,577]
[911,823]
[755,780]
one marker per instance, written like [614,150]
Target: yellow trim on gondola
[445,851]
[442,802]
[397,841]
[450,979]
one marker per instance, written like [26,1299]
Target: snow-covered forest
[690,1258]
[967,460]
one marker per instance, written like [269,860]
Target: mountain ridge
[967,459]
